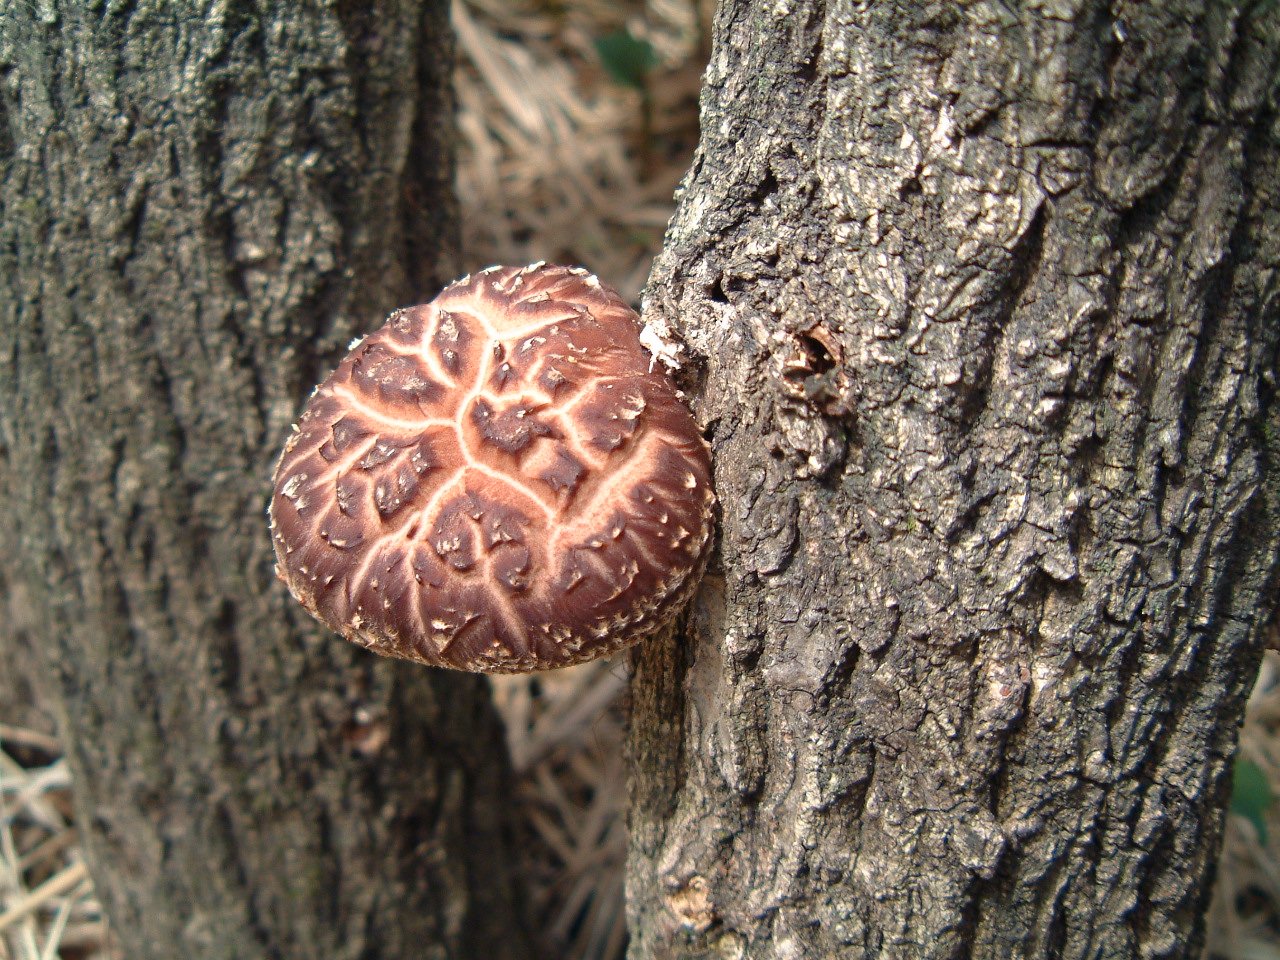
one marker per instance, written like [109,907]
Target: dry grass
[558,163]
[47,907]
[565,733]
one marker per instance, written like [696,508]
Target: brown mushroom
[496,481]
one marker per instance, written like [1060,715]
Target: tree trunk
[980,304]
[200,205]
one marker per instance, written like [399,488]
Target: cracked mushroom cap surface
[496,481]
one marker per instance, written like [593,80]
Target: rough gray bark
[200,205]
[981,305]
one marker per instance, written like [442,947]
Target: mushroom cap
[496,481]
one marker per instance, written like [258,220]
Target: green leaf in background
[626,58]
[1251,796]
